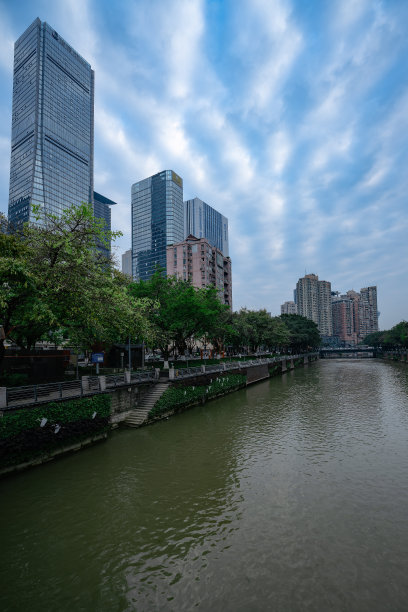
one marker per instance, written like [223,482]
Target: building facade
[127,263]
[102,211]
[203,221]
[289,308]
[198,261]
[157,221]
[313,301]
[345,318]
[368,311]
[52,138]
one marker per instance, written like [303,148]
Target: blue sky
[289,117]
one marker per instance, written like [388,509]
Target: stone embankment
[39,424]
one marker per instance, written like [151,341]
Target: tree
[182,313]
[256,329]
[56,282]
[22,307]
[303,332]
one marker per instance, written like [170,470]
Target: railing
[232,365]
[14,397]
[88,385]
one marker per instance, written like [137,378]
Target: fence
[230,365]
[14,397]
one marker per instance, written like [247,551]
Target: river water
[289,495]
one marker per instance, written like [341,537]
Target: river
[289,495]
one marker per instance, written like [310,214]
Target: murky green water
[289,495]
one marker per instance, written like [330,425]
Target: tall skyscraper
[157,221]
[313,300]
[203,221]
[101,210]
[52,137]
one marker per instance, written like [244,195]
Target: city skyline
[297,135]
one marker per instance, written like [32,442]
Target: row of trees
[394,338]
[55,286]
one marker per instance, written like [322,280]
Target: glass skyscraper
[157,221]
[52,125]
[203,221]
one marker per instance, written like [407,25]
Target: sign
[97,358]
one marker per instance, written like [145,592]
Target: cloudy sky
[289,117]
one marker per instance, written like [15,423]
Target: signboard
[97,358]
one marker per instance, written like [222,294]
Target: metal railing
[14,397]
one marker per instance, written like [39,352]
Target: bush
[22,438]
[13,379]
[179,397]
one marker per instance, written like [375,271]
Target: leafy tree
[56,282]
[303,332]
[182,312]
[256,329]
[22,307]
[396,337]
[374,339]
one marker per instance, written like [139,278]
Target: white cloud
[7,39]
[267,45]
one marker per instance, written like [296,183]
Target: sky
[290,117]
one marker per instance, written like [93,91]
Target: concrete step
[139,415]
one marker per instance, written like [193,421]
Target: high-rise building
[203,221]
[127,263]
[345,318]
[313,301]
[368,312]
[157,221]
[288,308]
[355,315]
[52,137]
[101,210]
[203,264]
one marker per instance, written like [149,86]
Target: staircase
[138,415]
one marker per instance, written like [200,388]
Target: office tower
[203,221]
[52,125]
[203,264]
[313,299]
[127,263]
[368,312]
[101,210]
[157,221]
[289,308]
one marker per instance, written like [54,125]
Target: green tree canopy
[55,282]
[303,332]
[182,313]
[256,329]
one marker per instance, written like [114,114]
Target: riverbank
[35,435]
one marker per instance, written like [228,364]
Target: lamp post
[129,356]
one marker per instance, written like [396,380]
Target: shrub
[22,438]
[179,397]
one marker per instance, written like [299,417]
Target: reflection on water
[289,495]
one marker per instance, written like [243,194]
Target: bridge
[357,352]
